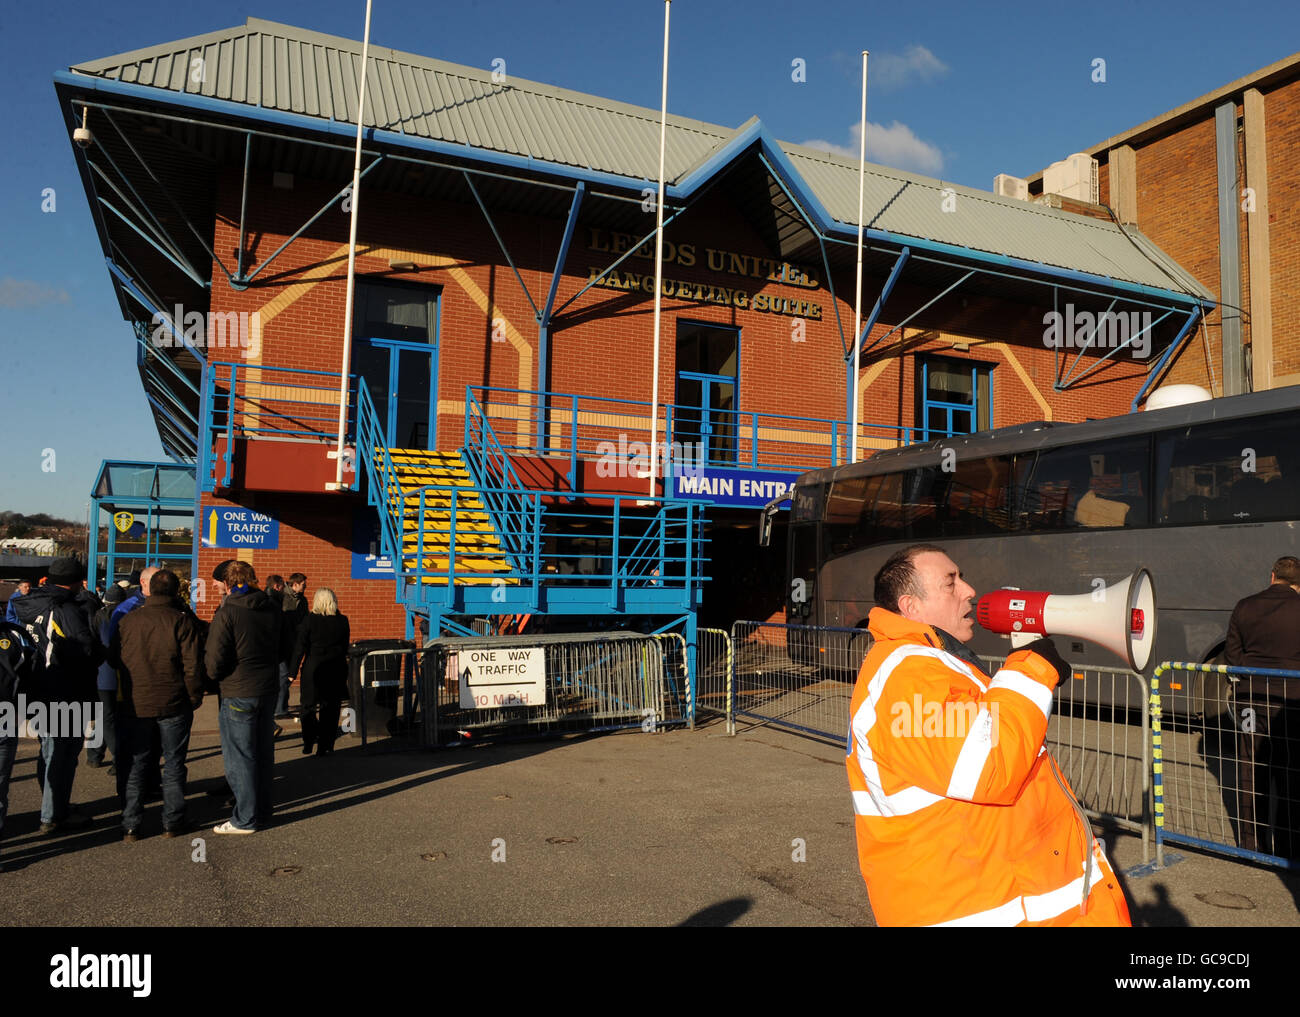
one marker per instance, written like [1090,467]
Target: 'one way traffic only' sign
[514,676]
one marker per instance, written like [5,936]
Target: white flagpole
[659,263]
[857,301]
[338,484]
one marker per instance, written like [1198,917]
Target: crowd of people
[141,662]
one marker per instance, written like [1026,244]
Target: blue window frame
[397,328]
[953,397]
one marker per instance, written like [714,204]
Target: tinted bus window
[1089,487]
[1229,472]
[845,507]
[979,498]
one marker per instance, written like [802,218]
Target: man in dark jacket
[59,618]
[294,602]
[156,649]
[243,657]
[106,680]
[1265,632]
[16,657]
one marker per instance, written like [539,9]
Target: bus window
[979,498]
[1091,487]
[844,510]
[1228,472]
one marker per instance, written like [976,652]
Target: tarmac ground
[678,827]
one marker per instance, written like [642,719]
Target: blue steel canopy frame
[147,496]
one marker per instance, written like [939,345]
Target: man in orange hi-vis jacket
[962,816]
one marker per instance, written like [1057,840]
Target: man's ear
[907,605]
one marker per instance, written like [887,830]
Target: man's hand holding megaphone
[1046,649]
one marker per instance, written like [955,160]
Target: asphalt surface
[678,827]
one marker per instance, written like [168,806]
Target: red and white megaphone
[1122,617]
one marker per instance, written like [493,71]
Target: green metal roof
[280,67]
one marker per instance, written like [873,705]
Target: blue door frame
[718,427]
[402,355]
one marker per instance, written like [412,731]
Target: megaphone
[1122,617]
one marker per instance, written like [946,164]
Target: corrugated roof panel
[293,69]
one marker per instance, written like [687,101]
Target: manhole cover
[287,870]
[561,840]
[434,856]
[1231,901]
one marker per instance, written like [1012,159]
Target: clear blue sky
[960,91]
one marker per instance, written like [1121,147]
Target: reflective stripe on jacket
[962,817]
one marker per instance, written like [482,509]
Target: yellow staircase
[480,558]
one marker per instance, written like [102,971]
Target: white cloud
[916,63]
[22,293]
[895,145]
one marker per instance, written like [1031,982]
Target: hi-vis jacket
[962,817]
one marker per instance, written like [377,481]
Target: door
[397,355]
[705,418]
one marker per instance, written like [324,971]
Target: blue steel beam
[886,290]
[933,300]
[826,264]
[130,286]
[1168,354]
[544,318]
[243,207]
[1067,382]
[502,244]
[241,284]
[184,269]
[167,194]
[143,214]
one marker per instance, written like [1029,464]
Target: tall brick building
[1215,183]
[498,414]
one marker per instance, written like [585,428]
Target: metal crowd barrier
[1227,775]
[384,692]
[715,674]
[593,682]
[1099,735]
[798,677]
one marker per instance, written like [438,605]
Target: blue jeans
[282,703]
[8,750]
[136,742]
[56,767]
[248,749]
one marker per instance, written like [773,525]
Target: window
[953,397]
[1229,472]
[1092,487]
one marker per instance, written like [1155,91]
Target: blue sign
[236,526]
[740,488]
[367,562]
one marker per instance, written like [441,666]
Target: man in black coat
[294,602]
[156,649]
[243,657]
[1265,632]
[59,617]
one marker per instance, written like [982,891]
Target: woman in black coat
[321,650]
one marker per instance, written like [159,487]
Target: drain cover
[1231,901]
[561,840]
[434,856]
[287,870]
[501,798]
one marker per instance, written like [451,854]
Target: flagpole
[337,454]
[857,301]
[659,262]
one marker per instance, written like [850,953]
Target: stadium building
[506,462]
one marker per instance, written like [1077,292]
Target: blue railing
[493,474]
[253,401]
[573,427]
[627,546]
[382,488]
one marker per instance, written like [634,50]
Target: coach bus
[1205,495]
